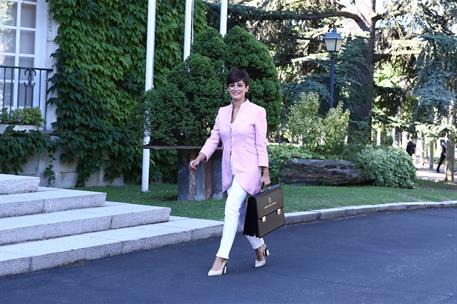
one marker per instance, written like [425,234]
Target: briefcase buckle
[264,219]
[279,211]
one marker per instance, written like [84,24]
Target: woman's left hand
[266,180]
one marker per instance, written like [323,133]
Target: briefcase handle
[266,187]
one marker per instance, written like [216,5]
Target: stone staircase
[47,227]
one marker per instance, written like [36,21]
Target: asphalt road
[406,257]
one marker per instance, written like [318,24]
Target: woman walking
[242,127]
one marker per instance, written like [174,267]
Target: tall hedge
[202,81]
[182,111]
[99,79]
[246,52]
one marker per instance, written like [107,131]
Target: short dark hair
[236,75]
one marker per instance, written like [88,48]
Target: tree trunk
[378,137]
[394,137]
[450,157]
[422,154]
[431,154]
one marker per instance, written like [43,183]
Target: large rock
[322,172]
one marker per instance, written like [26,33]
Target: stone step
[10,184]
[56,224]
[36,255]
[47,200]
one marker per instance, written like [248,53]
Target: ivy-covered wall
[17,147]
[99,79]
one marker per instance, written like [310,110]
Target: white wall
[65,173]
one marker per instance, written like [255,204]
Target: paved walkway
[428,174]
[404,257]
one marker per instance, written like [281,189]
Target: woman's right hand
[195,162]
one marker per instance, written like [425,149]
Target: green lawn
[297,198]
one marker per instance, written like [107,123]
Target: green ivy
[99,79]
[170,35]
[16,148]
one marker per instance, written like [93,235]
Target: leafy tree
[310,15]
[436,82]
[318,134]
[304,123]
[4,7]
[382,37]
[4,18]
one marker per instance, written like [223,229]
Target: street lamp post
[333,41]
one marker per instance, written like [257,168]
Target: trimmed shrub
[182,111]
[26,116]
[200,81]
[351,152]
[211,44]
[169,115]
[186,118]
[246,52]
[388,167]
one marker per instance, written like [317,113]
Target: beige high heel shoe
[262,262]
[222,271]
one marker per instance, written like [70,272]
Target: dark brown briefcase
[265,212]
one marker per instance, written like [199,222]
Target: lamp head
[333,40]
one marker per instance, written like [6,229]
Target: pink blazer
[244,145]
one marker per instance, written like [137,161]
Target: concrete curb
[344,212]
[321,215]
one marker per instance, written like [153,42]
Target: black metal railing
[24,87]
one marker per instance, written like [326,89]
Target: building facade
[27,34]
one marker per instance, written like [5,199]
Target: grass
[297,198]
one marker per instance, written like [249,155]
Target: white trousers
[234,206]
